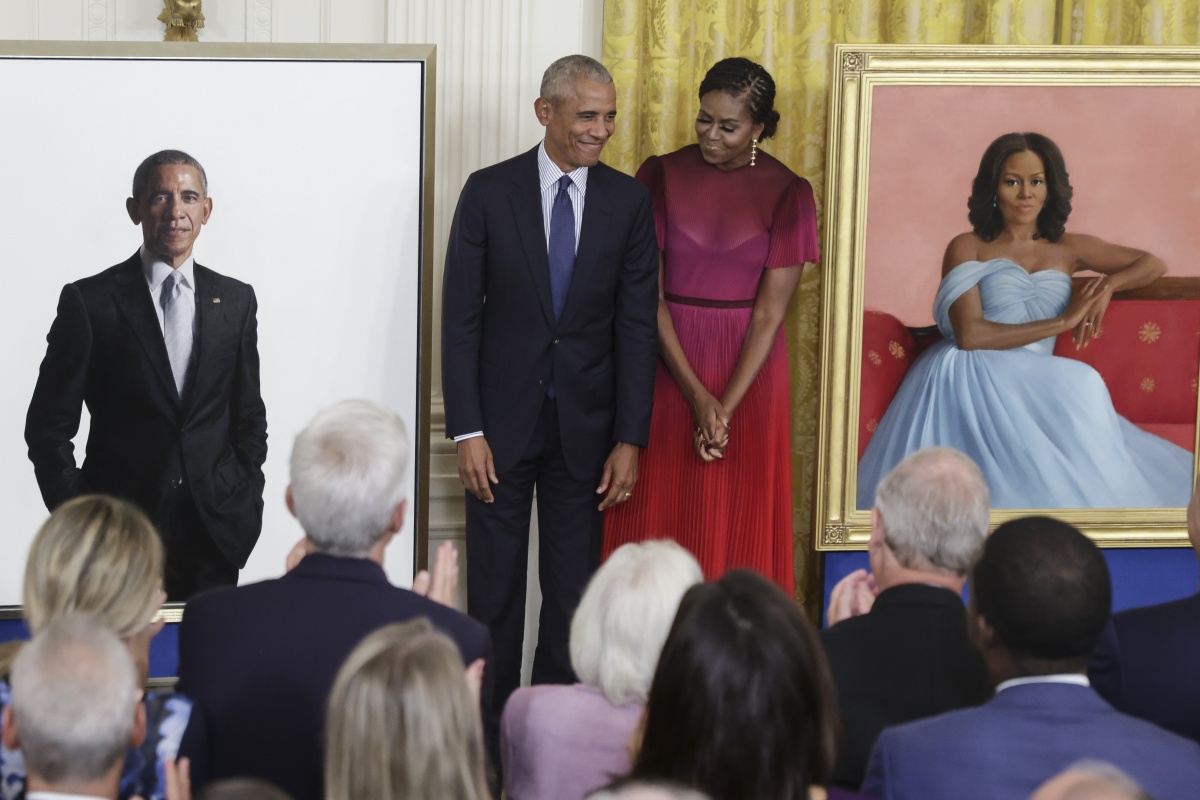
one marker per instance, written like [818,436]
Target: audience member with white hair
[75,709]
[101,556]
[1090,780]
[559,742]
[259,659]
[646,790]
[403,720]
[905,655]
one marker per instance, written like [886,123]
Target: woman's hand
[1089,327]
[1077,310]
[712,426]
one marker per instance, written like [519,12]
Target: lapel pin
[216,299]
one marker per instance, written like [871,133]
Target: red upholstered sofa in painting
[1147,352]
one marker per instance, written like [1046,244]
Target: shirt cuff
[468,436]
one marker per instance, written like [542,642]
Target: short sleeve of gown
[793,227]
[651,174]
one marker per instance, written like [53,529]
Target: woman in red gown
[735,227]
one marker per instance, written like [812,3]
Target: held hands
[475,467]
[1089,327]
[712,428]
[853,596]
[1079,313]
[620,475]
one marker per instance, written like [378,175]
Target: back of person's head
[243,789]
[402,722]
[645,790]
[622,620]
[98,555]
[742,703]
[1090,780]
[75,701]
[347,476]
[1044,590]
[934,506]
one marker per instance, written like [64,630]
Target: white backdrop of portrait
[315,170]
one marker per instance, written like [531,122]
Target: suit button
[176,483]
[556,341]
[541,381]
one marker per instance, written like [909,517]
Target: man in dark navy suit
[1040,596]
[549,339]
[259,660]
[164,353]
[1147,659]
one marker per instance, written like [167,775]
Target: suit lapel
[526,202]
[210,322]
[591,235]
[134,301]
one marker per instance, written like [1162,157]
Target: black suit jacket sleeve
[463,291]
[249,414]
[53,417]
[635,325]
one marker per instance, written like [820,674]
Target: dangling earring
[993,202]
[753,149]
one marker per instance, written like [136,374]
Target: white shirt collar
[549,173]
[156,270]
[1072,678]
[59,796]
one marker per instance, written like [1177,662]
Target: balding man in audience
[1090,780]
[76,708]
[259,660]
[1040,596]
[907,656]
[1148,659]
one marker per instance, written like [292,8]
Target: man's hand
[851,597]
[620,475]
[475,677]
[442,585]
[475,467]
[296,554]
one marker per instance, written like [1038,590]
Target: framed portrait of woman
[1031,300]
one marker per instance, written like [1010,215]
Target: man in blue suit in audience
[259,660]
[1040,596]
[1147,660]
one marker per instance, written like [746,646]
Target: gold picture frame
[962,90]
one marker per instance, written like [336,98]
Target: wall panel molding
[260,15]
[99,19]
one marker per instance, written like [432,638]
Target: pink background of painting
[1132,154]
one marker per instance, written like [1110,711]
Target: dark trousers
[570,530]
[193,561]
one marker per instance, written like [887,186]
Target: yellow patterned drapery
[659,50]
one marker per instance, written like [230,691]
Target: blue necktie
[562,245]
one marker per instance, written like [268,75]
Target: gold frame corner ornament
[858,69]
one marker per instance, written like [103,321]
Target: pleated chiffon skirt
[730,513]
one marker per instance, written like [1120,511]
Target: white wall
[490,56]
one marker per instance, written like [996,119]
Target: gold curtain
[659,50]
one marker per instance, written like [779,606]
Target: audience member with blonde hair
[559,742]
[101,556]
[403,720]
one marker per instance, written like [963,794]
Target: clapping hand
[851,597]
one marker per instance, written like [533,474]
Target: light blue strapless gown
[1041,428]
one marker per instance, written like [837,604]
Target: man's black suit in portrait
[548,356]
[164,353]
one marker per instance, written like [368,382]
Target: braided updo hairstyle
[748,82]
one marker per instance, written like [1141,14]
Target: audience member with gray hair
[904,654]
[75,709]
[1040,596]
[1090,780]
[259,660]
[559,742]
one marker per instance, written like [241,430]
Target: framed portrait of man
[1096,422]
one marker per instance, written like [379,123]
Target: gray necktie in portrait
[177,327]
